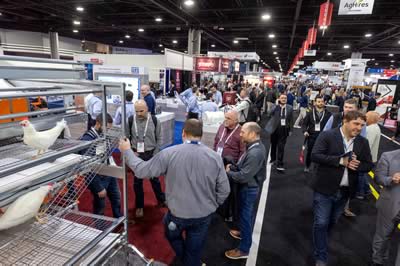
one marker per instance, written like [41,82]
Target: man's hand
[344,161]
[354,163]
[396,178]
[124,144]
[102,194]
[228,168]
[306,134]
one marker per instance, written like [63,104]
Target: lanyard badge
[140,144]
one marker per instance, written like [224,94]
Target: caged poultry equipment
[40,223]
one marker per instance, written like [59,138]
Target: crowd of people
[341,149]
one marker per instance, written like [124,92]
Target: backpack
[153,117]
[252,114]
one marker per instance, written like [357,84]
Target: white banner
[333,66]
[241,56]
[356,7]
[310,52]
[104,69]
[300,63]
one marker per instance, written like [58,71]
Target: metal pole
[54,44]
[125,177]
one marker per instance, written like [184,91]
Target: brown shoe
[349,213]
[235,234]
[139,213]
[236,254]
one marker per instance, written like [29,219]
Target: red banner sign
[208,64]
[178,80]
[389,72]
[312,36]
[325,14]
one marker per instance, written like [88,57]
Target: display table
[173,105]
[209,133]
[167,120]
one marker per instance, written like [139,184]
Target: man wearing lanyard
[313,124]
[279,126]
[249,173]
[196,184]
[145,135]
[336,176]
[228,145]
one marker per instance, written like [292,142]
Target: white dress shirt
[348,146]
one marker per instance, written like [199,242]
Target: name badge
[283,122]
[140,147]
[317,127]
[220,150]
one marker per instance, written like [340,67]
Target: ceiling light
[265,16]
[274,46]
[346,46]
[323,27]
[189,3]
[83,41]
[373,59]
[235,41]
[158,19]
[392,61]
[175,41]
[221,28]
[160,45]
[376,64]
[277,58]
[1,14]
[271,36]
[121,41]
[162,51]
[275,52]
[368,35]
[80,9]
[213,45]
[391,54]
[399,42]
[77,22]
[87,50]
[128,36]
[329,53]
[75,31]
[140,30]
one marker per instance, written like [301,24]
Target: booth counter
[173,105]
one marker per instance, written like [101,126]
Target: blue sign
[375,70]
[135,70]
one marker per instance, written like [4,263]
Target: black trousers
[397,134]
[278,142]
[310,144]
[193,115]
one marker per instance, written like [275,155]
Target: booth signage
[178,79]
[334,66]
[207,64]
[236,66]
[389,72]
[225,63]
[118,69]
[375,70]
[241,56]
[310,52]
[325,14]
[356,7]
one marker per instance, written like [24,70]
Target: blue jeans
[363,187]
[110,184]
[187,249]
[327,210]
[248,197]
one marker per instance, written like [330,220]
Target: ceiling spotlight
[368,35]
[329,53]
[162,51]
[346,46]
[277,58]
[392,61]
[140,30]
[174,41]
[160,45]
[275,52]
[158,19]
[128,36]
[213,45]
[83,41]
[391,54]
[121,41]
[80,9]
[235,41]
[77,22]
[266,17]
[1,14]
[221,28]
[189,3]
[274,46]
[271,36]
[376,64]
[373,59]
[87,50]
[399,42]
[75,31]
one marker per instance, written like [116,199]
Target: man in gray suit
[387,174]
[279,127]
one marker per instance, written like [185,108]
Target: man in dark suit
[313,124]
[339,154]
[279,126]
[387,175]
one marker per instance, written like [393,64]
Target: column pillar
[356,55]
[194,41]
[54,44]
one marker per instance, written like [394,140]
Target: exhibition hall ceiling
[275,29]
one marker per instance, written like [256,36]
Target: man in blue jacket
[102,186]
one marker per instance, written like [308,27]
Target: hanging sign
[325,14]
[208,64]
[310,52]
[300,63]
[356,7]
[178,80]
[312,36]
[225,64]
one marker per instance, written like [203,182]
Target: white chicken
[24,208]
[44,139]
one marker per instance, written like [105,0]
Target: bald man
[148,98]
[374,137]
[145,136]
[228,145]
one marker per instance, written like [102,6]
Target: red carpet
[147,234]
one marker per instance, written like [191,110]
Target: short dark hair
[351,101]
[194,128]
[129,96]
[318,97]
[99,118]
[254,127]
[209,96]
[354,115]
[194,89]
